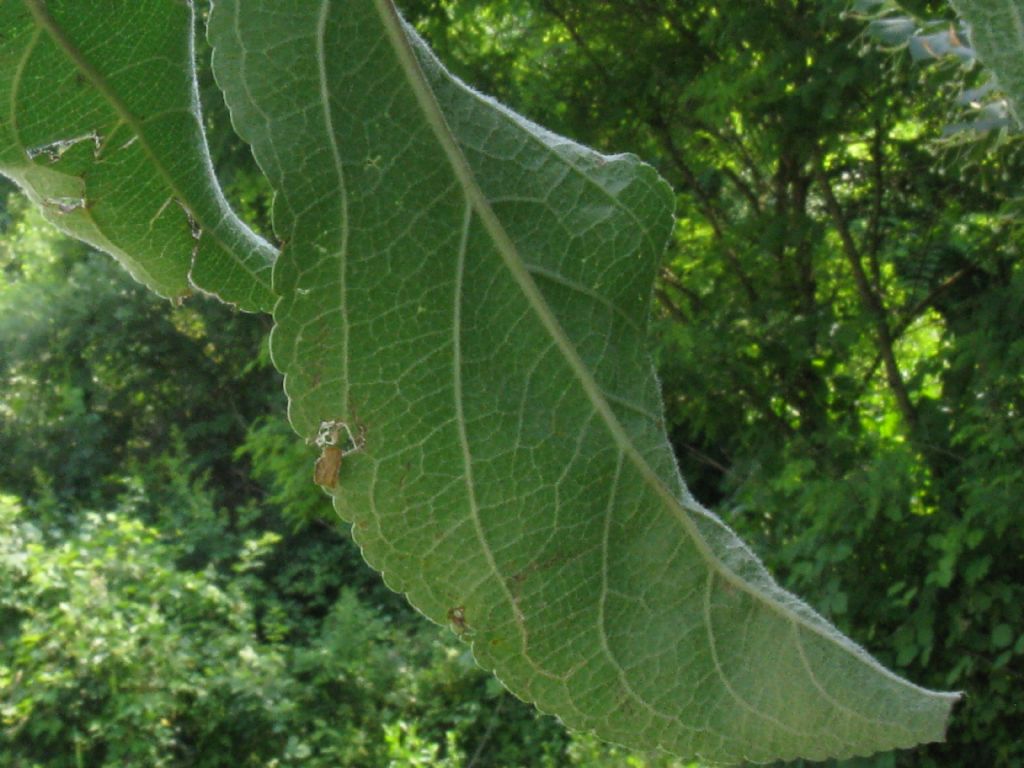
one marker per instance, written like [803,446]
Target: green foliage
[863,434]
[110,144]
[114,654]
[117,658]
[81,407]
[980,113]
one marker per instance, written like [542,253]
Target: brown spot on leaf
[325,471]
[457,619]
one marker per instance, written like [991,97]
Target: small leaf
[100,125]
[471,293]
[1002,636]
[892,31]
[938,45]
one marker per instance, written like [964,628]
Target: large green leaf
[997,35]
[469,294]
[100,125]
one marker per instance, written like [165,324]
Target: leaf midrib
[325,98]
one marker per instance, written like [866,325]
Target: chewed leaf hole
[330,433]
[65,204]
[56,149]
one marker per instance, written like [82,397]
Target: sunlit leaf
[468,293]
[100,125]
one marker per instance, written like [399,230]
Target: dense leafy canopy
[876,461]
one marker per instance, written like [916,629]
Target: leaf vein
[744,704]
[460,419]
[332,141]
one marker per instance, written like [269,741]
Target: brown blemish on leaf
[457,620]
[333,449]
[327,467]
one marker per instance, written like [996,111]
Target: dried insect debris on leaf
[327,467]
[457,620]
[65,205]
[328,464]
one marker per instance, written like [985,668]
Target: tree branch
[671,307]
[703,458]
[574,33]
[687,36]
[915,312]
[704,201]
[869,300]
[730,137]
[743,188]
[669,277]
[877,199]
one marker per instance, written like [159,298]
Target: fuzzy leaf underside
[469,293]
[997,35]
[100,126]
